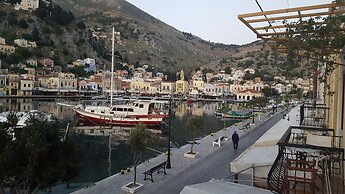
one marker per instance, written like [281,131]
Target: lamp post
[169,134]
[253,114]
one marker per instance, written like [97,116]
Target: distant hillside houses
[88,63]
[25,43]
[5,48]
[28,5]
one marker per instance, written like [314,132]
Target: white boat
[138,112]
[24,117]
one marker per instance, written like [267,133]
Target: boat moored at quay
[137,112]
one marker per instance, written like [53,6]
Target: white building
[29,4]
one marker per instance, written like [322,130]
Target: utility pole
[169,134]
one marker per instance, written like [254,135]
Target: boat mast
[112,69]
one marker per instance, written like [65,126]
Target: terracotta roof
[249,90]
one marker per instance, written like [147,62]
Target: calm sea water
[96,162]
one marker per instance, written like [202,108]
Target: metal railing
[313,114]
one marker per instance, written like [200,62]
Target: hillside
[149,41]
[146,39]
[142,39]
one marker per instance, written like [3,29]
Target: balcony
[310,160]
[313,114]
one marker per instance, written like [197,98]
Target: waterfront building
[67,81]
[3,87]
[248,94]
[222,89]
[106,82]
[167,87]
[138,85]
[198,85]
[210,89]
[181,84]
[13,84]
[43,81]
[26,87]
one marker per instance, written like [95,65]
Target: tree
[258,102]
[270,92]
[193,124]
[139,140]
[32,158]
[22,23]
[227,70]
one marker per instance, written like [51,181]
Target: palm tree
[193,124]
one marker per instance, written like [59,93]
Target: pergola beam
[305,8]
[296,16]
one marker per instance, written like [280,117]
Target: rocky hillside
[145,39]
[84,30]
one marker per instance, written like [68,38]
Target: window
[141,106]
[125,109]
[130,110]
[29,85]
[24,85]
[119,109]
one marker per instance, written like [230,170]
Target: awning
[221,187]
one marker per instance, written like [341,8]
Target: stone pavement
[180,164]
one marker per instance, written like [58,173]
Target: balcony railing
[310,160]
[313,114]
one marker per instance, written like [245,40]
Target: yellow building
[138,85]
[246,95]
[7,49]
[67,81]
[13,84]
[181,85]
[167,87]
[3,87]
[26,87]
[198,85]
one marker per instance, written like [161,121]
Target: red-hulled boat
[138,112]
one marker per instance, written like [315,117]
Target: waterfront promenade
[212,163]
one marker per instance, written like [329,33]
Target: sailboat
[137,112]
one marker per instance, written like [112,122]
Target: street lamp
[253,114]
[169,134]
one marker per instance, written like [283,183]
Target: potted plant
[193,124]
[139,140]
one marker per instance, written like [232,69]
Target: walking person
[235,138]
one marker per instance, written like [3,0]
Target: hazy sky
[214,20]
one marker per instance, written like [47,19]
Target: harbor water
[101,155]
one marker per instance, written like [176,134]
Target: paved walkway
[212,163]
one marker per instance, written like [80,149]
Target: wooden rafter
[257,22]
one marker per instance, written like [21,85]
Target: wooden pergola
[273,24]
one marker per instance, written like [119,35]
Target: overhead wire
[270,24]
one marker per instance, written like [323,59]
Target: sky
[214,20]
